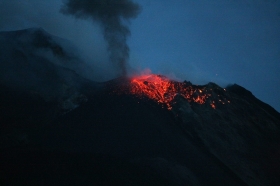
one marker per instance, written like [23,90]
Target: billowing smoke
[110,14]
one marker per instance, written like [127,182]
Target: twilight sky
[223,41]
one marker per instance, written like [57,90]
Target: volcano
[63,129]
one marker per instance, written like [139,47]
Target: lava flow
[164,90]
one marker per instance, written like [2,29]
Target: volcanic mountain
[59,128]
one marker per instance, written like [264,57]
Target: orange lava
[164,90]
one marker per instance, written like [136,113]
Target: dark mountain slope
[31,58]
[134,136]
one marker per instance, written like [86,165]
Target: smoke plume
[110,14]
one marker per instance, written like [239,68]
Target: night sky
[223,41]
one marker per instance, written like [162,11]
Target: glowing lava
[164,90]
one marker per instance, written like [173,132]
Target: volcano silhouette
[63,129]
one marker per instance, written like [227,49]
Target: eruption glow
[164,90]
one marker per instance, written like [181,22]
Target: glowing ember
[163,90]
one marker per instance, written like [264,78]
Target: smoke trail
[110,14]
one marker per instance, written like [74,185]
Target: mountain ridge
[101,133]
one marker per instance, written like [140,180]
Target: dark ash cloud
[110,14]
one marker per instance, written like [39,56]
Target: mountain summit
[58,128]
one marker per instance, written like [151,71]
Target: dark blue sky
[223,41]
